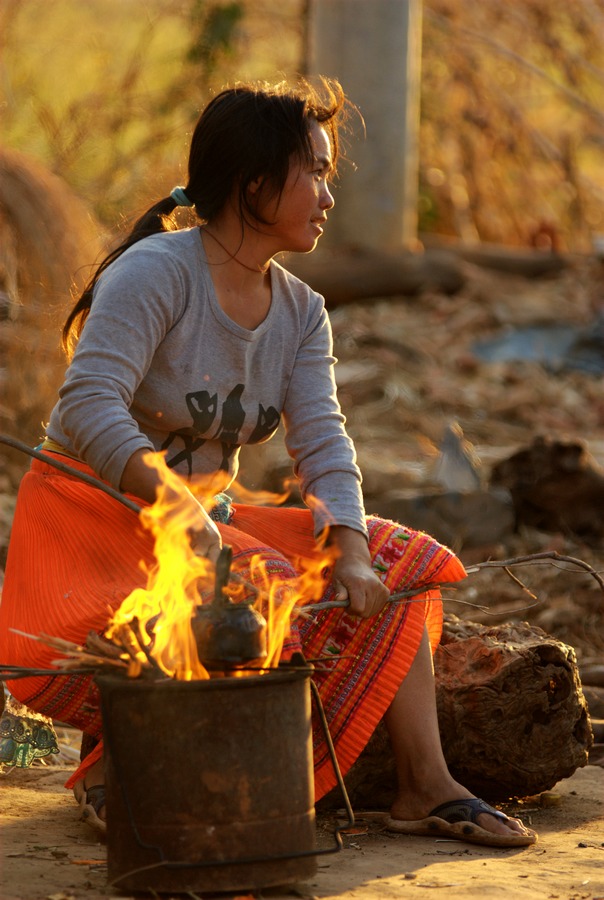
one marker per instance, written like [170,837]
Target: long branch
[489,564]
[532,557]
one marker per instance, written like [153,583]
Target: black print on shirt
[267,424]
[203,408]
[233,417]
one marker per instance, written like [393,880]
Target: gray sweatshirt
[160,366]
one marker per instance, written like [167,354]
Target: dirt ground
[48,854]
[408,367]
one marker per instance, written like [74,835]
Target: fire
[163,609]
[161,613]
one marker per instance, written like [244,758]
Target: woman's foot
[453,811]
[90,794]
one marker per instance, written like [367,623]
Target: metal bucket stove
[209,783]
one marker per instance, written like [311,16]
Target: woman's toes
[518,825]
[497,826]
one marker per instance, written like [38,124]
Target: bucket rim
[275,676]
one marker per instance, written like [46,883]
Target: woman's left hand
[353,576]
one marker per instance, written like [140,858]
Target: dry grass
[512,121]
[511,117]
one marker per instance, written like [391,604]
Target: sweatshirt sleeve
[135,303]
[316,438]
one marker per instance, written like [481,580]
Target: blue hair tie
[179,197]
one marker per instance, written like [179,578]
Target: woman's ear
[255,185]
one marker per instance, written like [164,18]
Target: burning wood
[75,656]
[233,635]
[173,628]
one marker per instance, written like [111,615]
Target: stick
[503,564]
[533,557]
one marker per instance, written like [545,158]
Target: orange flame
[168,601]
[177,582]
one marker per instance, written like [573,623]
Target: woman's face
[297,217]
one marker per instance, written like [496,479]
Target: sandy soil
[48,854]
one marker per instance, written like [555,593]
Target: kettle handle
[223,570]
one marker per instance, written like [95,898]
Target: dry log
[527,262]
[516,261]
[512,713]
[512,716]
[347,276]
[555,486]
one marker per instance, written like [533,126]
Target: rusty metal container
[209,783]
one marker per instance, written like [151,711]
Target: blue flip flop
[458,819]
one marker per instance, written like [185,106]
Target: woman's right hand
[181,509]
[353,576]
[206,539]
[143,480]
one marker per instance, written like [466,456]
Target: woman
[193,342]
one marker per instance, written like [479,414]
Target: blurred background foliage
[512,130]
[105,93]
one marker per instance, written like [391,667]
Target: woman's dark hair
[245,133]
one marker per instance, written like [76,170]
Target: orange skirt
[75,554]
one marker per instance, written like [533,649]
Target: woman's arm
[140,479]
[315,434]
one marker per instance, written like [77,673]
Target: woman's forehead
[321,145]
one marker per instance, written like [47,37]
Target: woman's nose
[327,201]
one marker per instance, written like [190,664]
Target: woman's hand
[353,576]
[143,481]
[206,539]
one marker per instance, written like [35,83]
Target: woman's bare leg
[424,780]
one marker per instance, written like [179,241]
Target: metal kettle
[228,635]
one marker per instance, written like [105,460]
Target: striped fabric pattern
[75,554]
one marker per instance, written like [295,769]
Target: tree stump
[512,716]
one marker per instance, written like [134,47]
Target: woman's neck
[241,280]
[234,242]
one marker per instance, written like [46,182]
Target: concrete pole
[373,47]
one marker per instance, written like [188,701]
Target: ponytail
[157,219]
